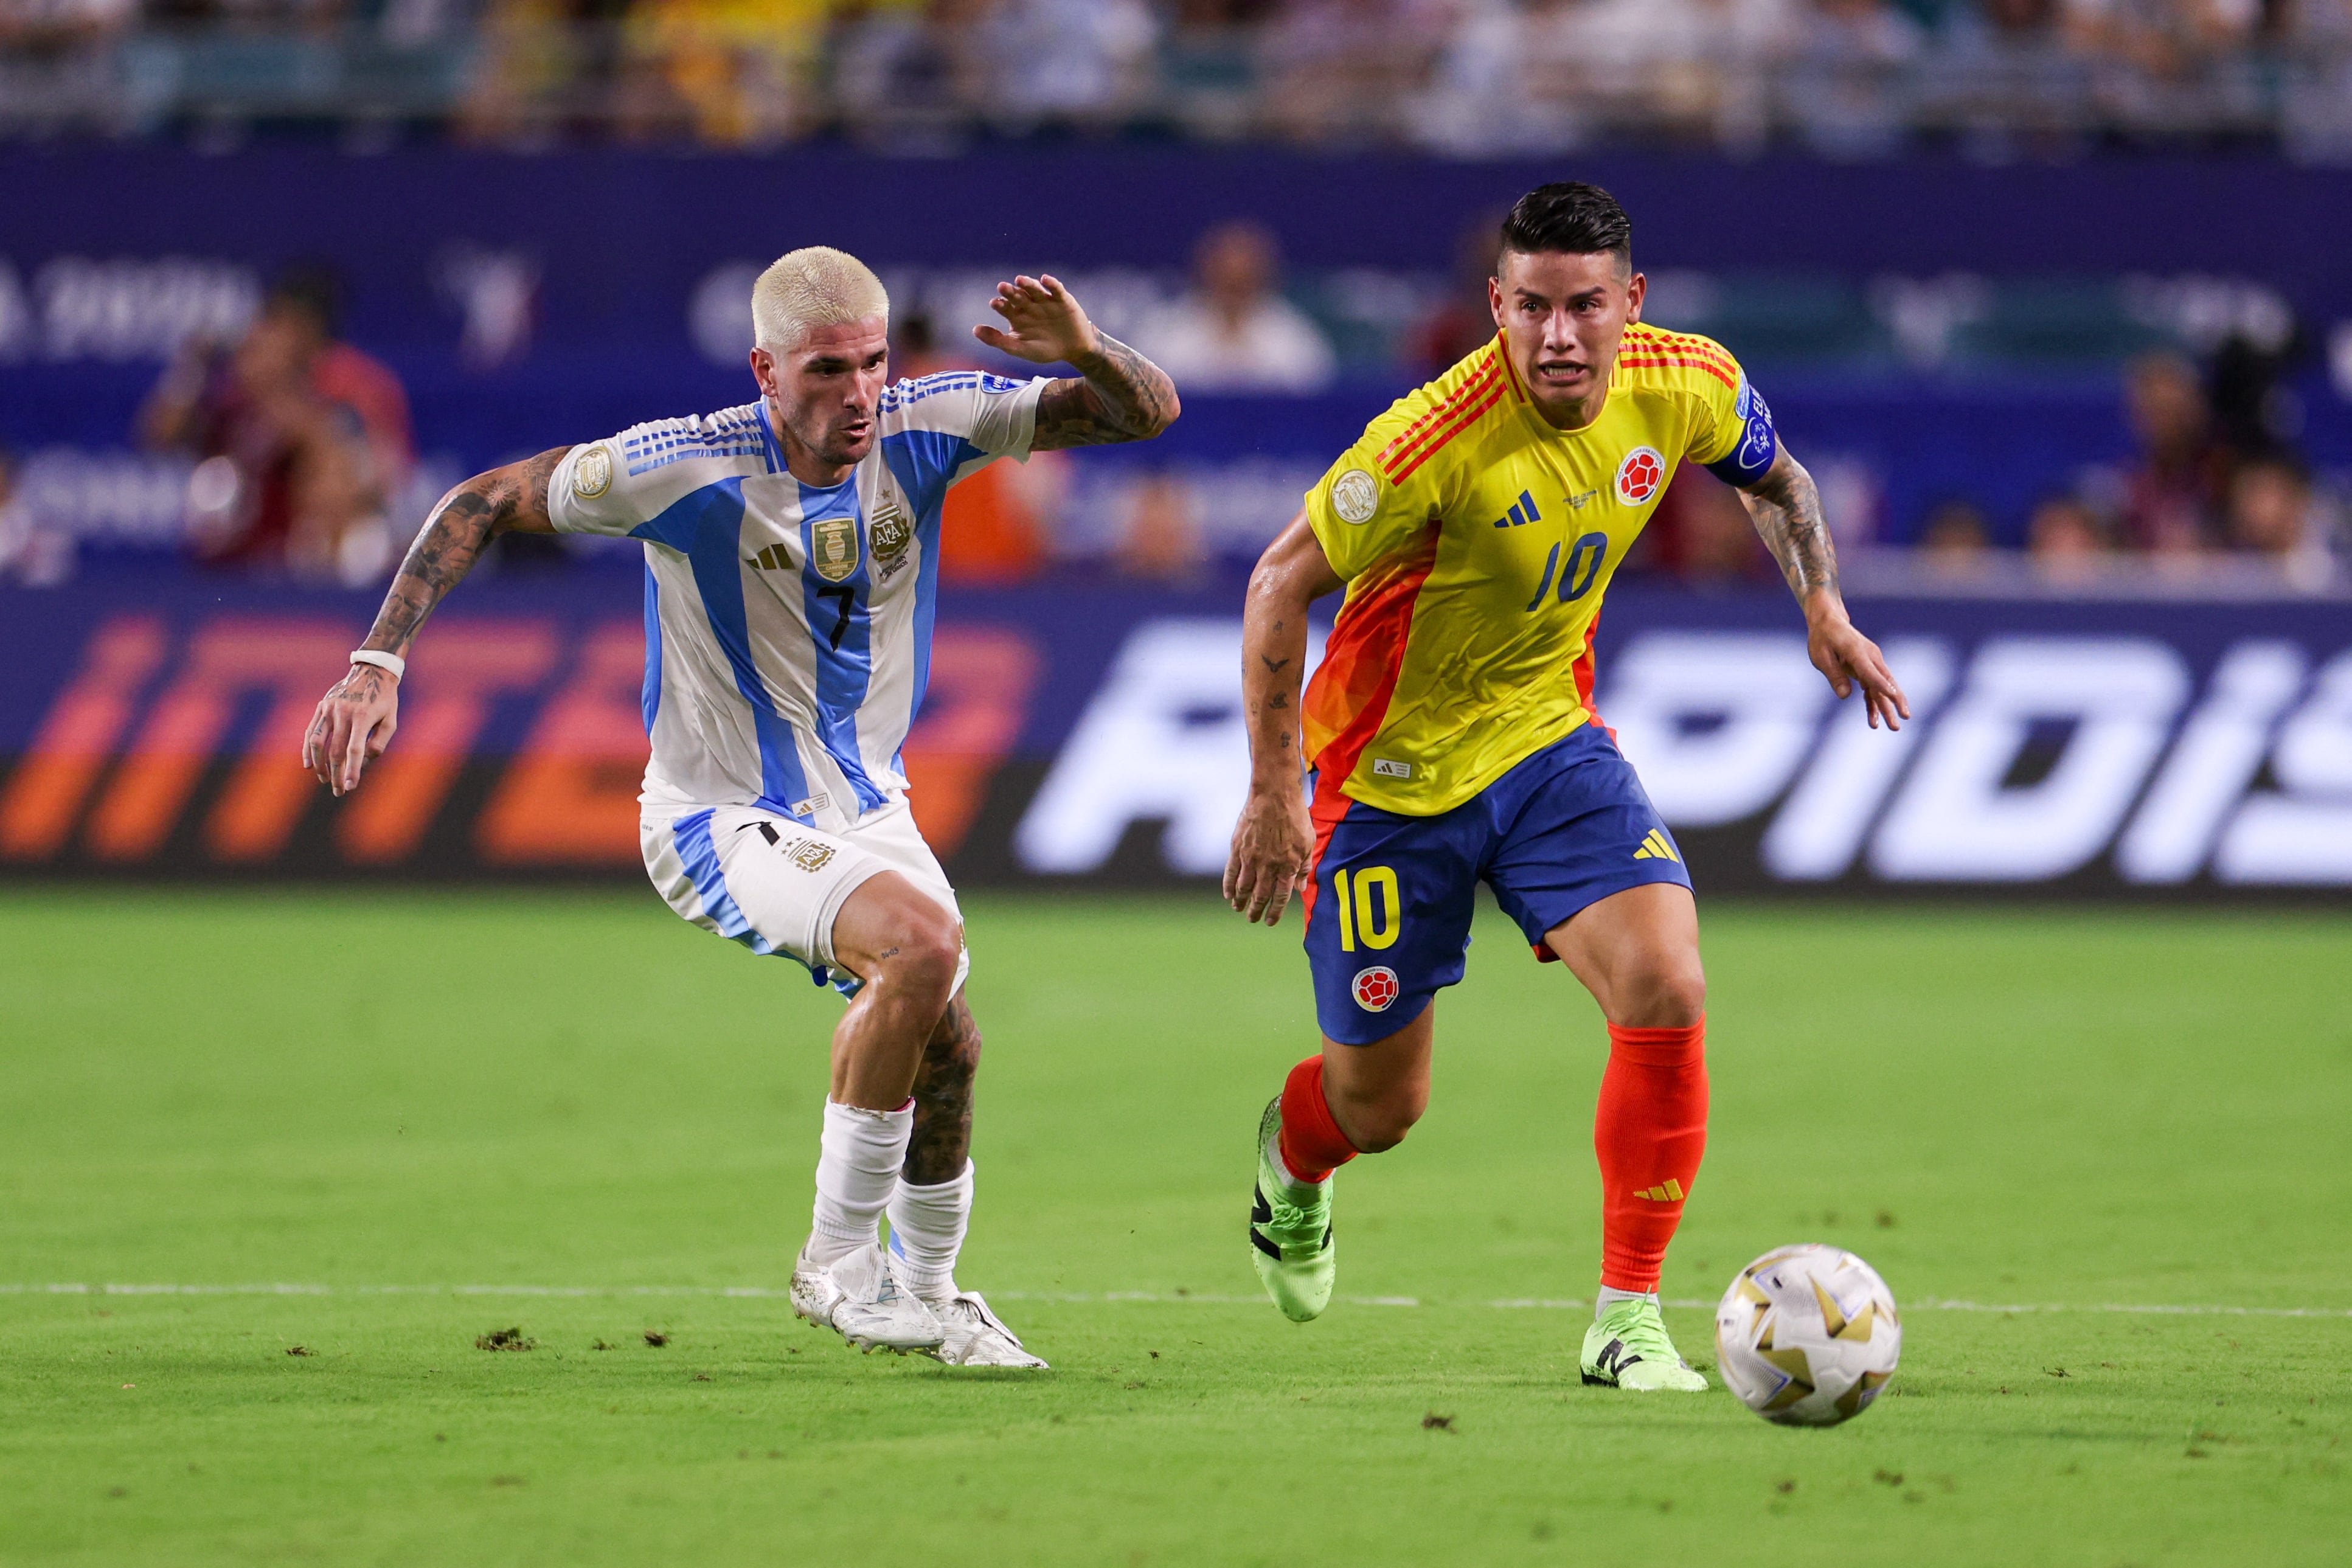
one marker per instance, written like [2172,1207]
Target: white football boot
[978,1337]
[858,1299]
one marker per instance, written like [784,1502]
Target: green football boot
[1628,1347]
[1290,1244]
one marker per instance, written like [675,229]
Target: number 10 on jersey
[1370,906]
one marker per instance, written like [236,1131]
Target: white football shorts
[775,885]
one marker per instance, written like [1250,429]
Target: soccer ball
[1807,1336]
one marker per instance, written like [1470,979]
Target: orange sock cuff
[1659,1047]
[1312,1144]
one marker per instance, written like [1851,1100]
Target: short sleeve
[591,492]
[938,429]
[1004,414]
[1361,516]
[1733,437]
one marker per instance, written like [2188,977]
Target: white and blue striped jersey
[788,627]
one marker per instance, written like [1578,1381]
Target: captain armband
[1759,443]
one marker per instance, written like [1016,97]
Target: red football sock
[1650,1131]
[1312,1142]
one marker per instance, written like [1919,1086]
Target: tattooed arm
[1119,396]
[1786,506]
[1273,841]
[356,718]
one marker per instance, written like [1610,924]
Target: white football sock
[1607,1299]
[856,1168]
[1293,1189]
[926,1230]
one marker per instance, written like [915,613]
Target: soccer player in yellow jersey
[1450,738]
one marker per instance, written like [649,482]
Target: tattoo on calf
[941,1139]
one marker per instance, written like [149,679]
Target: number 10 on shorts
[1369,908]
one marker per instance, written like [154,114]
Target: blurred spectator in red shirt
[1234,332]
[1702,534]
[2173,494]
[1160,538]
[2273,515]
[1956,540]
[303,440]
[1463,321]
[2064,542]
[996,527]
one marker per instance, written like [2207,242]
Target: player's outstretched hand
[1850,659]
[1272,854]
[351,728]
[1042,323]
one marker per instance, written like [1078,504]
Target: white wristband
[391,661]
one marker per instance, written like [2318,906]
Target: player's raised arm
[1786,506]
[356,718]
[1117,394]
[1273,842]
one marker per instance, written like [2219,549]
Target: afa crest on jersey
[888,536]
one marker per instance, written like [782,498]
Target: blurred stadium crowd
[270,441]
[299,462]
[1843,77]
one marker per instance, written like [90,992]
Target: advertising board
[1082,734]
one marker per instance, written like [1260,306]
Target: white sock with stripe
[857,1164]
[927,1231]
[1608,1298]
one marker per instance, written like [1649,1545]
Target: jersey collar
[768,437]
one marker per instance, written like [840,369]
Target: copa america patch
[1376,989]
[592,475]
[1642,475]
[1355,496]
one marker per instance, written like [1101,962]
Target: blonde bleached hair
[815,286]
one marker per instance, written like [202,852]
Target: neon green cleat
[1628,1347]
[1290,1245]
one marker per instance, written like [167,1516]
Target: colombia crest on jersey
[1477,541]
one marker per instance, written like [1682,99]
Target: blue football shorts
[1388,921]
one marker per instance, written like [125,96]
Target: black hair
[314,289]
[1568,215]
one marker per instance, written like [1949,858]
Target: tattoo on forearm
[941,1139]
[1786,506]
[453,539]
[1122,396]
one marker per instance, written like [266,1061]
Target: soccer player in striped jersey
[791,569]
[1449,737]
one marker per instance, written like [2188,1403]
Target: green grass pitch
[425,1103]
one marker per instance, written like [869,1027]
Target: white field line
[1181,1298]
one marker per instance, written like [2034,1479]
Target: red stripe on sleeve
[1469,416]
[1429,423]
[1650,361]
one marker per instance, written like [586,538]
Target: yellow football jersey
[1477,540]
